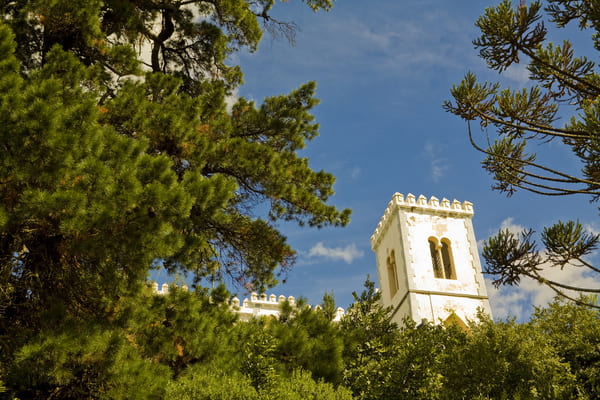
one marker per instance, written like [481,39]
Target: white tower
[427,260]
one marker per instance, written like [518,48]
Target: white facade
[427,260]
[256,306]
[263,306]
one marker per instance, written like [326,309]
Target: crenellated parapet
[164,289]
[411,203]
[259,305]
[268,306]
[255,306]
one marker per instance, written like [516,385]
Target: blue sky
[383,70]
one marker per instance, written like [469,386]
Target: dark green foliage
[106,168]
[574,332]
[211,385]
[68,238]
[112,162]
[310,340]
[423,354]
[406,363]
[257,347]
[185,345]
[370,340]
[561,83]
[505,360]
[510,257]
[179,329]
[83,361]
[302,386]
[207,384]
[502,360]
[303,338]
[118,153]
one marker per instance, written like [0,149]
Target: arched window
[392,273]
[441,259]
[449,272]
[435,258]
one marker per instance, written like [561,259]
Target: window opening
[449,271]
[392,273]
[441,259]
[435,258]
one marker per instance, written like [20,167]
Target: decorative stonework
[432,206]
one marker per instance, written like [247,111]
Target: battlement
[257,306]
[433,205]
[164,289]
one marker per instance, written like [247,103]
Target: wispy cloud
[507,301]
[438,164]
[390,43]
[407,46]
[591,228]
[348,253]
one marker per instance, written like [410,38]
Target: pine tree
[112,161]
[118,153]
[370,343]
[560,83]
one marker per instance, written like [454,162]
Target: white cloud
[506,301]
[573,276]
[392,43]
[232,99]
[516,301]
[437,170]
[480,245]
[513,228]
[509,224]
[348,253]
[517,73]
[355,172]
[592,228]
[437,164]
[407,46]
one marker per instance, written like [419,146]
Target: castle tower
[427,260]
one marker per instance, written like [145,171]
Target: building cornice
[437,293]
[433,205]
